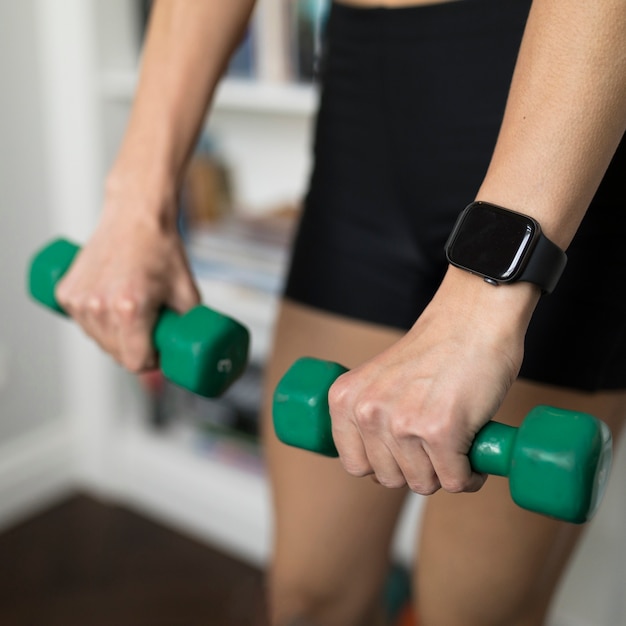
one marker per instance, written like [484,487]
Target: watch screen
[491,241]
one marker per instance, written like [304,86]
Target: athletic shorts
[412,100]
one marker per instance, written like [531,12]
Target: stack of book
[282,42]
[225,429]
[244,251]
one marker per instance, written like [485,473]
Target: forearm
[187,46]
[565,116]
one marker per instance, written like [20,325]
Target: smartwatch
[503,247]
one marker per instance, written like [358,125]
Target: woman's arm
[565,116]
[135,262]
[187,47]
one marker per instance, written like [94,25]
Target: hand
[133,265]
[410,414]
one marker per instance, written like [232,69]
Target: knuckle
[454,486]
[94,304]
[392,482]
[337,394]
[127,307]
[356,467]
[433,430]
[425,483]
[69,299]
[400,427]
[425,486]
[83,304]
[457,485]
[366,415]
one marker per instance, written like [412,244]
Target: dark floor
[84,563]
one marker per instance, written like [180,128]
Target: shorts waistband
[407,22]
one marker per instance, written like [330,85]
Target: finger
[345,433]
[91,314]
[71,297]
[382,461]
[94,318]
[455,472]
[351,450]
[134,323]
[382,447]
[416,466]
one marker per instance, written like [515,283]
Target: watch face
[491,241]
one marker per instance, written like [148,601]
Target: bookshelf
[91,53]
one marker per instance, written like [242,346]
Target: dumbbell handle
[492,448]
[490,453]
[49,266]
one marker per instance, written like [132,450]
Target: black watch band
[545,265]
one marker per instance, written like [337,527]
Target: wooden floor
[84,563]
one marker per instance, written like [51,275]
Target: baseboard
[223,505]
[35,472]
[565,619]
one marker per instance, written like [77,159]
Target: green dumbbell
[557,461]
[202,350]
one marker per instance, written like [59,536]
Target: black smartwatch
[503,247]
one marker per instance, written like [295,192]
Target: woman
[425,108]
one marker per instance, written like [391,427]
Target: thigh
[332,531]
[484,561]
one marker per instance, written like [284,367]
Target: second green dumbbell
[557,461]
[203,351]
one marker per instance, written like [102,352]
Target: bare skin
[457,366]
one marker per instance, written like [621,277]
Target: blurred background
[71,422]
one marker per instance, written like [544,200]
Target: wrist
[503,308]
[133,192]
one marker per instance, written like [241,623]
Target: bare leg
[482,560]
[332,530]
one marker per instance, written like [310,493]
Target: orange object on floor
[407,617]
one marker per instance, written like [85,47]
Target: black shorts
[411,103]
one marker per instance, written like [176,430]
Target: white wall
[36,451]
[30,391]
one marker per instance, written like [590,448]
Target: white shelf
[232,94]
[217,502]
[288,99]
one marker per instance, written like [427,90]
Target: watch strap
[545,265]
